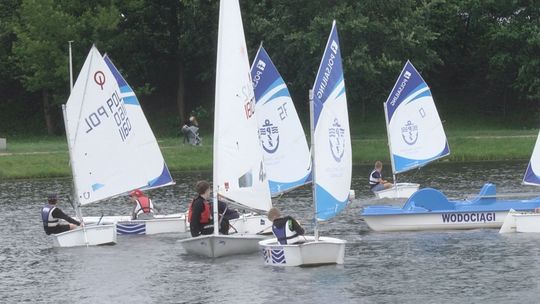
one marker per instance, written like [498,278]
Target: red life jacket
[205,215]
[144,203]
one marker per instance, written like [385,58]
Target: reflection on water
[407,267]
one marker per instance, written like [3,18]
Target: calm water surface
[405,267]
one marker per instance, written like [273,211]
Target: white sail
[238,159]
[153,167]
[533,169]
[286,155]
[415,132]
[332,160]
[103,139]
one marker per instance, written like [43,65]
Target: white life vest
[373,181]
[46,216]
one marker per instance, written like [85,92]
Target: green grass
[38,157]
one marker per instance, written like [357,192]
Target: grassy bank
[48,157]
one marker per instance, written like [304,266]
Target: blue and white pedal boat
[430,209]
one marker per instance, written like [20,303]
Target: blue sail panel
[403,164]
[408,82]
[530,177]
[264,75]
[328,206]
[163,179]
[119,79]
[329,75]
[277,188]
[332,154]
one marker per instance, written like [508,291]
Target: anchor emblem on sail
[269,136]
[336,136]
[409,133]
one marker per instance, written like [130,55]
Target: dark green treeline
[480,57]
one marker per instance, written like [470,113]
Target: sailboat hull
[171,223]
[251,223]
[525,222]
[400,190]
[326,250]
[95,235]
[215,246]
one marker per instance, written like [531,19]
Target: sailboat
[332,165]
[526,221]
[286,154]
[149,162]
[415,133]
[238,170]
[98,150]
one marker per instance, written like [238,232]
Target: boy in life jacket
[285,229]
[376,181]
[51,216]
[143,208]
[200,213]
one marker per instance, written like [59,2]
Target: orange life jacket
[205,215]
[144,203]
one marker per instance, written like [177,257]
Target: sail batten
[286,154]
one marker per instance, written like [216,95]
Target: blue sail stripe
[281,93]
[119,79]
[163,179]
[277,187]
[327,205]
[423,94]
[97,186]
[341,92]
[279,81]
[126,89]
[131,100]
[403,164]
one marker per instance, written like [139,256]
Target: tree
[43,30]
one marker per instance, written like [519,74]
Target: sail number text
[114,108]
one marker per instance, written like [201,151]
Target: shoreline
[47,157]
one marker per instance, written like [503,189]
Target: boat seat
[487,194]
[430,199]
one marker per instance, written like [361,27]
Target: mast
[313,182]
[78,210]
[390,146]
[70,69]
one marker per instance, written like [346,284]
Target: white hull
[435,221]
[400,190]
[251,223]
[325,251]
[215,246]
[171,223]
[526,222]
[95,235]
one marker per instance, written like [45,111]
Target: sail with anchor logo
[332,160]
[415,133]
[286,153]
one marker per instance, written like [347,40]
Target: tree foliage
[482,54]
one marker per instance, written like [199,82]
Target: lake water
[399,267]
